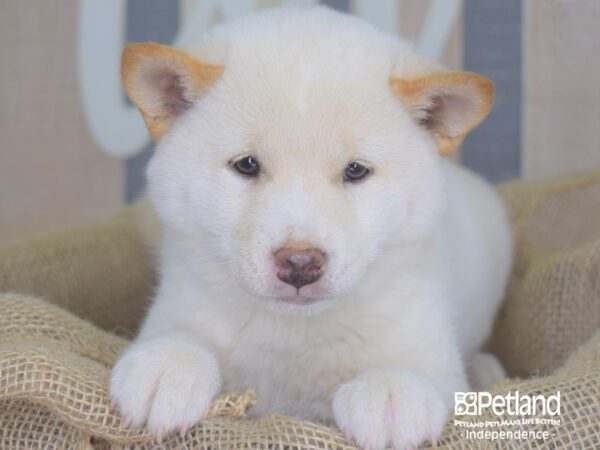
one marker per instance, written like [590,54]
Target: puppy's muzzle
[299,266]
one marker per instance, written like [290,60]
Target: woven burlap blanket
[72,299]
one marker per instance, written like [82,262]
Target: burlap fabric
[54,366]
[103,274]
[553,300]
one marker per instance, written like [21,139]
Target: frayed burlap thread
[26,425]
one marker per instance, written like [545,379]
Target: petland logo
[511,404]
[530,417]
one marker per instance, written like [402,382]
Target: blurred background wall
[73,149]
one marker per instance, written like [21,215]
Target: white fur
[419,251]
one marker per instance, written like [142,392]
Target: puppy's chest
[295,368]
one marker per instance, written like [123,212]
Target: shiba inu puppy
[317,246]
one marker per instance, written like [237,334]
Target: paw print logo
[465,403]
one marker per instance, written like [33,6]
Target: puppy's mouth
[305,295]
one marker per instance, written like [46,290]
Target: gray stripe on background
[493,48]
[340,5]
[147,20]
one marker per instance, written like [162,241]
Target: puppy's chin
[298,300]
[297,305]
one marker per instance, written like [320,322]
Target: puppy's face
[292,184]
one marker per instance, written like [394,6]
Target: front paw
[165,383]
[390,407]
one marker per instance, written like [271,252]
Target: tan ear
[448,105]
[164,82]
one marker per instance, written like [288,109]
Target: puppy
[317,246]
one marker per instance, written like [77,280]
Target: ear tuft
[164,82]
[448,105]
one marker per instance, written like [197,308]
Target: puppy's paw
[165,383]
[390,407]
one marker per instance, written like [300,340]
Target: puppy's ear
[447,104]
[164,82]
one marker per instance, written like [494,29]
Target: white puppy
[317,247]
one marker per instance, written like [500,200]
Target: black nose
[299,267]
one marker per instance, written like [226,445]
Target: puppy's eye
[355,171]
[247,166]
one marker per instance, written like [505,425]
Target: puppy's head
[290,160]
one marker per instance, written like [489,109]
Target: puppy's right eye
[355,171]
[247,166]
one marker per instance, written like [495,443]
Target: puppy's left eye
[247,166]
[355,171]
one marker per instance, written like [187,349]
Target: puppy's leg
[483,370]
[397,407]
[167,382]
